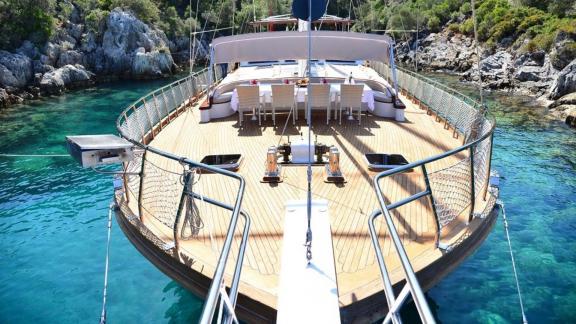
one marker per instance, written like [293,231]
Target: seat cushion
[382,97]
[222,98]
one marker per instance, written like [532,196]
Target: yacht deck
[350,204]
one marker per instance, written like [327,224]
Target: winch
[301,153]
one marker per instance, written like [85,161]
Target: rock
[64,39]
[71,58]
[65,77]
[39,67]
[89,42]
[565,82]
[531,59]
[571,116]
[52,53]
[75,30]
[124,34]
[565,113]
[569,99]
[563,50]
[528,73]
[496,70]
[75,15]
[443,51]
[6,77]
[27,48]
[152,64]
[18,70]
[97,61]
[4,98]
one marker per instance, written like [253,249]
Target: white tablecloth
[300,93]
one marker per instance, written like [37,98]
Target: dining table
[300,94]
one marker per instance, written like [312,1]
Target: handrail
[412,285]
[147,120]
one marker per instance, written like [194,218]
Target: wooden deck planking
[350,205]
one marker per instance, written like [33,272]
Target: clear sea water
[53,224]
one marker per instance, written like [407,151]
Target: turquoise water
[53,224]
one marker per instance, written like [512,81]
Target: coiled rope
[501,204]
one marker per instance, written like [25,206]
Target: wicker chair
[248,99]
[351,97]
[320,98]
[283,98]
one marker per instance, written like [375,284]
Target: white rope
[524,319]
[34,155]
[103,315]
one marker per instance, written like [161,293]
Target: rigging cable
[308,243]
[477,54]
[193,50]
[501,203]
[105,292]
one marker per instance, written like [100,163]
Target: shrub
[145,10]
[454,27]
[467,27]
[95,20]
[434,23]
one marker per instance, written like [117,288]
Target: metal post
[180,209]
[143,132]
[472,181]
[210,71]
[140,207]
[125,180]
[433,203]
[489,166]
[166,105]
[148,116]
[157,112]
[176,106]
[393,69]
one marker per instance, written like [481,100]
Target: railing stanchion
[432,203]
[141,187]
[180,210]
[489,166]
[145,105]
[472,182]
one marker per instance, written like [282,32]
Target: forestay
[292,45]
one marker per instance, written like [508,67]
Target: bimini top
[293,45]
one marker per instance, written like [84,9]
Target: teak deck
[350,204]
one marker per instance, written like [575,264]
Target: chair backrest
[248,96]
[319,95]
[282,95]
[351,95]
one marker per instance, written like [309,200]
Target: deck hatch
[380,161]
[223,161]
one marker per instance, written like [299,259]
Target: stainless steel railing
[467,178]
[139,124]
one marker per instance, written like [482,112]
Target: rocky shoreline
[122,47]
[548,77]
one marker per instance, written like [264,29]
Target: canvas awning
[293,45]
